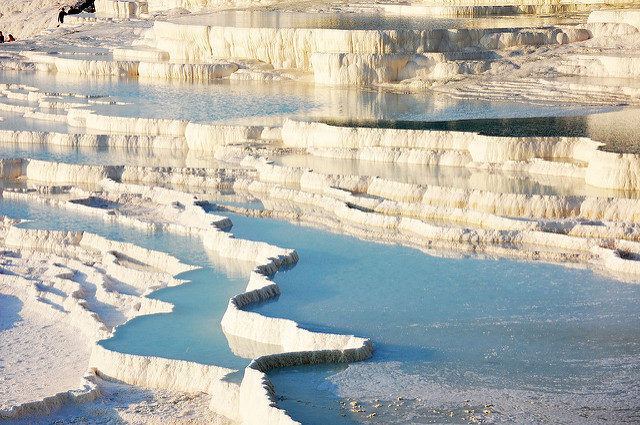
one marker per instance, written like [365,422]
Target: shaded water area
[575,126]
[616,127]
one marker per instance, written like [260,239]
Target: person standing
[1,37]
[61,16]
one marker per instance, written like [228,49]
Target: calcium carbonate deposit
[272,212]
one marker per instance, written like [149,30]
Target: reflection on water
[574,126]
[112,156]
[605,127]
[610,125]
[16,122]
[250,102]
[362,20]
[458,177]
[215,101]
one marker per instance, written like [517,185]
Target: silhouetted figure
[1,37]
[11,38]
[80,6]
[61,16]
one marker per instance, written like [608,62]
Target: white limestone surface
[603,169]
[122,403]
[33,362]
[24,19]
[312,347]
[485,219]
[186,72]
[487,8]
[72,288]
[625,16]
[477,63]
[189,377]
[295,47]
[206,137]
[143,63]
[121,8]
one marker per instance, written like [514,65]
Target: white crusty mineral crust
[629,17]
[603,169]
[70,280]
[121,8]
[483,219]
[186,376]
[295,47]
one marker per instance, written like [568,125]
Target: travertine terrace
[569,198]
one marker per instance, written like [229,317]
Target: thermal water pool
[363,20]
[269,102]
[534,340]
[445,329]
[192,331]
[481,331]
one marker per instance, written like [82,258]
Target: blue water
[458,324]
[192,332]
[444,328]
[250,102]
[216,101]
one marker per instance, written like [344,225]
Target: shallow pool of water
[361,20]
[458,177]
[269,102]
[192,331]
[447,330]
[16,122]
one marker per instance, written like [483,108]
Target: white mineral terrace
[62,291]
[607,44]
